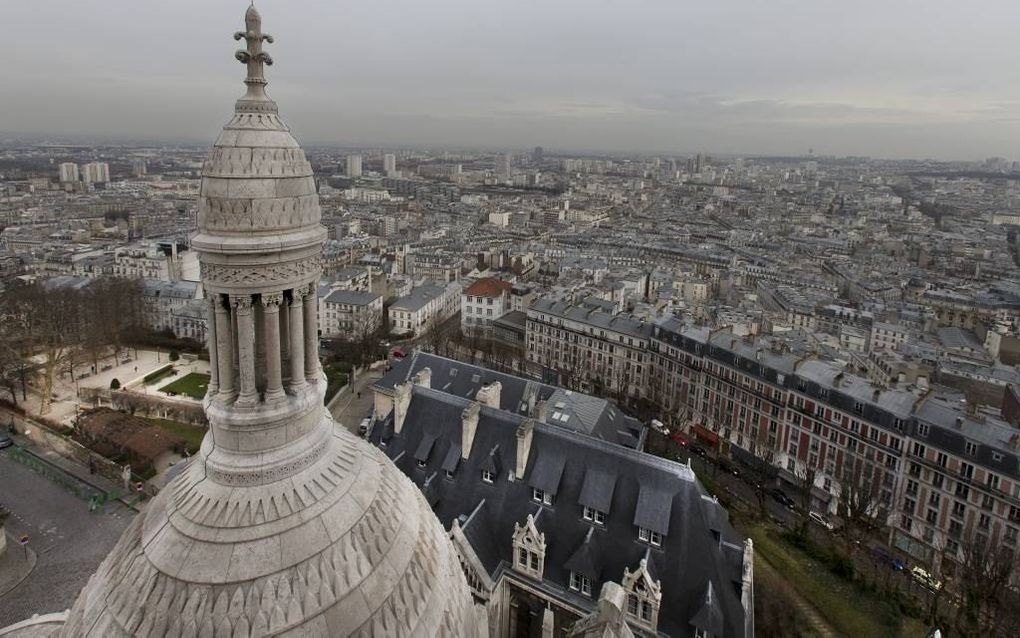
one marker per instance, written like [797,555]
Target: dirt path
[767,575]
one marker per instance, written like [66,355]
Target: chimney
[424,378]
[401,401]
[525,434]
[489,394]
[541,411]
[875,395]
[959,423]
[468,426]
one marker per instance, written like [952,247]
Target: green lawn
[850,609]
[192,385]
[192,434]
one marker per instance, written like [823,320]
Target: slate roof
[585,413]
[622,480]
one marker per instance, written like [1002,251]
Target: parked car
[821,520]
[922,577]
[363,426]
[783,498]
[398,353]
[5,441]
[886,558]
[729,466]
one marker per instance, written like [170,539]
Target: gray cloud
[904,78]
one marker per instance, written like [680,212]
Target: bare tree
[860,504]
[984,569]
[805,484]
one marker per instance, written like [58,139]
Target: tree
[805,484]
[860,504]
[115,384]
[53,326]
[984,568]
[762,474]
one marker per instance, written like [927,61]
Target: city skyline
[741,79]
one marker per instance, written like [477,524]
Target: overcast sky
[892,78]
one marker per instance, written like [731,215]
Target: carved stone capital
[272,300]
[297,295]
[241,302]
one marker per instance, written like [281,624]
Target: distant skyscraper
[68,172]
[353,168]
[96,173]
[503,165]
[539,155]
[139,168]
[389,164]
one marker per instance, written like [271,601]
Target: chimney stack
[424,378]
[541,411]
[401,401]
[489,394]
[468,426]
[525,434]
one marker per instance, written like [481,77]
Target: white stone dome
[348,546]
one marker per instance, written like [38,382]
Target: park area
[193,385]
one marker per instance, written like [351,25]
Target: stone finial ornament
[255,59]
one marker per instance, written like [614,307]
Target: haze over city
[575,319]
[903,79]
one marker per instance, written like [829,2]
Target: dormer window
[488,477]
[529,548]
[595,516]
[649,536]
[540,496]
[449,474]
[644,596]
[421,463]
[580,583]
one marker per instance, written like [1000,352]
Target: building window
[648,536]
[541,496]
[594,515]
[487,476]
[580,583]
[972,448]
[922,429]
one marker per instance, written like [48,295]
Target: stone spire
[284,523]
[256,100]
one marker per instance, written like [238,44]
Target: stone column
[311,334]
[245,350]
[271,325]
[297,342]
[260,348]
[224,351]
[212,346]
[285,340]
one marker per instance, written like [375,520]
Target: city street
[349,408]
[68,540]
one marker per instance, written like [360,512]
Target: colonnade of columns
[279,329]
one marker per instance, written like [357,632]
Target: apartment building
[589,347]
[943,475]
[350,314]
[482,303]
[424,307]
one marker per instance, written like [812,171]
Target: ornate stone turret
[285,523]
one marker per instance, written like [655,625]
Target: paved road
[70,542]
[350,408]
